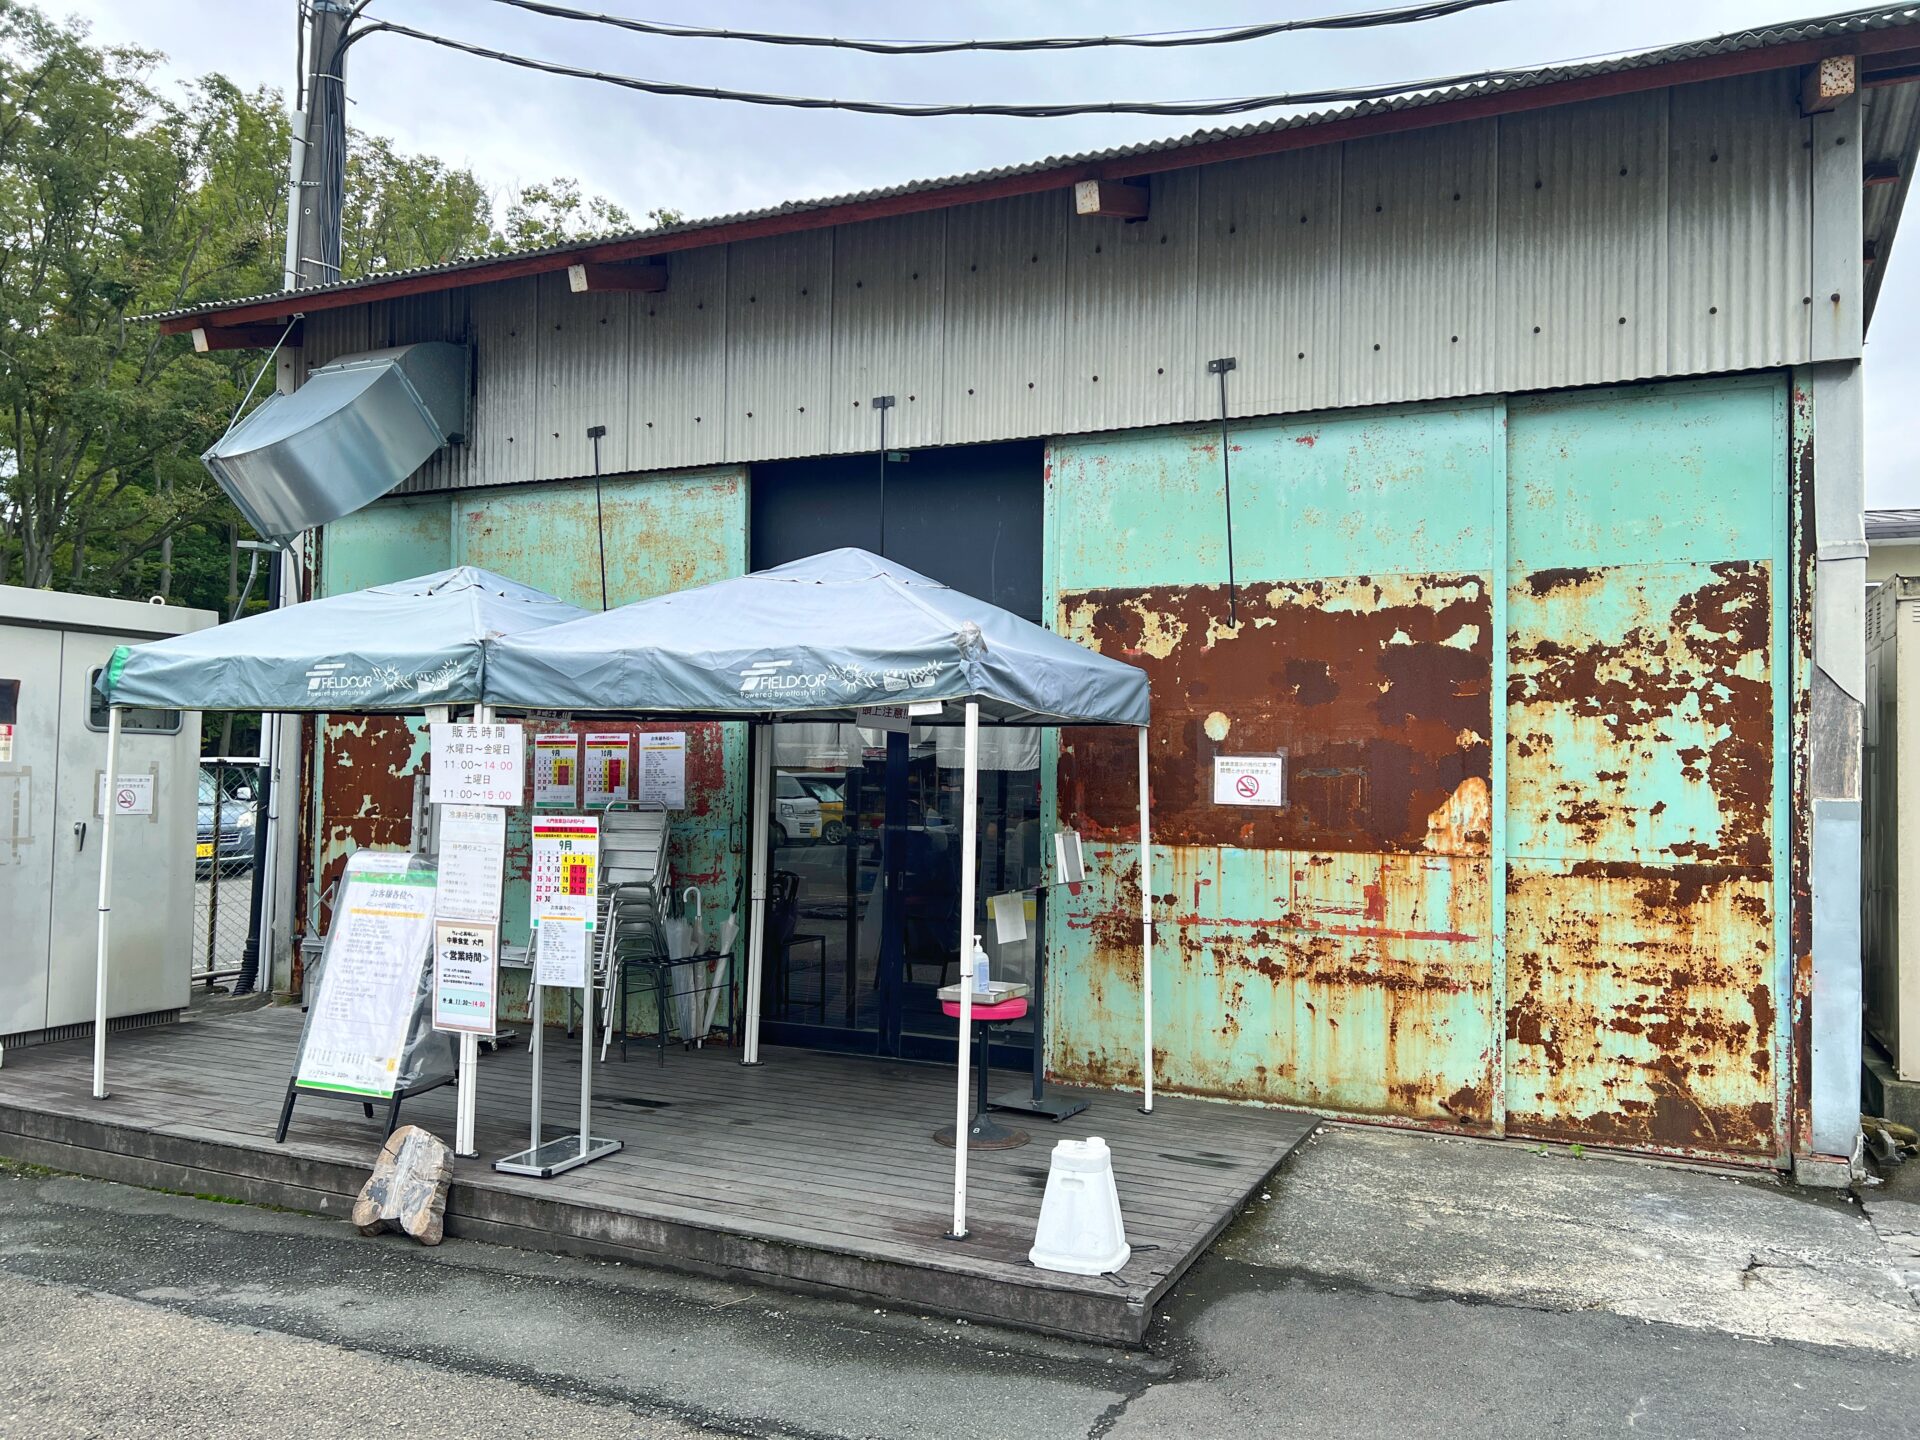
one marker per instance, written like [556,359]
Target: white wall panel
[779,346]
[676,409]
[1267,278]
[1417,288]
[889,283]
[1006,305]
[1583,243]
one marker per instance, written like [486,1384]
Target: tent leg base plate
[1047,1107]
[556,1157]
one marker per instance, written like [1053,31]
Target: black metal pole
[1039,1006]
[1220,367]
[249,976]
[594,432]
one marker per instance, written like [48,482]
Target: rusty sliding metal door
[1647,752]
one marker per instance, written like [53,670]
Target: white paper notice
[477,764]
[1250,780]
[473,851]
[133,795]
[465,975]
[609,768]
[560,952]
[357,1027]
[663,769]
[556,769]
[1009,913]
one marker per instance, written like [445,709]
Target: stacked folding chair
[634,889]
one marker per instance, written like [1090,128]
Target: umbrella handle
[691,892]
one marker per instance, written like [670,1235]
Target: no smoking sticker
[1250,780]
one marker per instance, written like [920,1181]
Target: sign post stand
[566,853]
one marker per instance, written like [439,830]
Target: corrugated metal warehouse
[1543,567]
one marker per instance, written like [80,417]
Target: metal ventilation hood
[357,428]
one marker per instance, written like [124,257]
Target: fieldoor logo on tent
[326,676]
[765,675]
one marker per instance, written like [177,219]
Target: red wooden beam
[585,275]
[241,337]
[1112,199]
[1481,105]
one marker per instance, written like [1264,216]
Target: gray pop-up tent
[822,639]
[390,649]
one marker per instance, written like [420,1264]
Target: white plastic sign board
[1009,913]
[477,764]
[891,718]
[473,852]
[663,770]
[556,769]
[357,1027]
[566,861]
[1250,780]
[466,975]
[560,945]
[6,744]
[609,768]
[130,795]
[1068,859]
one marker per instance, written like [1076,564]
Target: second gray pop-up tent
[822,639]
[390,649]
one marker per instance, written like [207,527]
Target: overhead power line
[1153,40]
[1230,106]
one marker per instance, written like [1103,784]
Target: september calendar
[566,860]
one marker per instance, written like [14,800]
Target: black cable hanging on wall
[883,403]
[594,432]
[1221,367]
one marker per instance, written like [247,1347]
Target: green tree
[116,201]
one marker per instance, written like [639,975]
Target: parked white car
[796,813]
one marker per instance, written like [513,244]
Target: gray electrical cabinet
[53,754]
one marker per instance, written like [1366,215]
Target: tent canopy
[392,648]
[820,637]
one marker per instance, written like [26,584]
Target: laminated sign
[566,861]
[609,768]
[370,980]
[663,770]
[477,764]
[466,976]
[556,769]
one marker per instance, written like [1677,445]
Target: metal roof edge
[1794,43]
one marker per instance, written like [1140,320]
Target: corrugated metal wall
[1657,234]
[1525,879]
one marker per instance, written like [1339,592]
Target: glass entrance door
[864,897]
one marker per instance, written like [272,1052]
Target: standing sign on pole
[560,943]
[609,768]
[477,764]
[566,861]
[556,769]
[466,976]
[1250,780]
[663,770]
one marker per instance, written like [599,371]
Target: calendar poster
[556,769]
[609,768]
[566,861]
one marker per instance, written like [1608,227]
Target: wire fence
[226,826]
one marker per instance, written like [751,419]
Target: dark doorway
[865,924]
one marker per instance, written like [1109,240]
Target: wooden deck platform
[810,1171]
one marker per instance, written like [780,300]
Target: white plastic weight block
[1080,1230]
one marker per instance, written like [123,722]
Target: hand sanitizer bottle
[982,982]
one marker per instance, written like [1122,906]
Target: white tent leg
[1146,928]
[969,825]
[762,802]
[467,1091]
[106,909]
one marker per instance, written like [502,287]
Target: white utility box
[53,755]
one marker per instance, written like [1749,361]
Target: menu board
[566,861]
[473,850]
[560,943]
[556,769]
[663,769]
[608,774]
[466,977]
[370,980]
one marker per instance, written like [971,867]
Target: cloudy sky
[703,157]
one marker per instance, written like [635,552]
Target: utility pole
[316,196]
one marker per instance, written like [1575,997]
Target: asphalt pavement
[133,1313]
